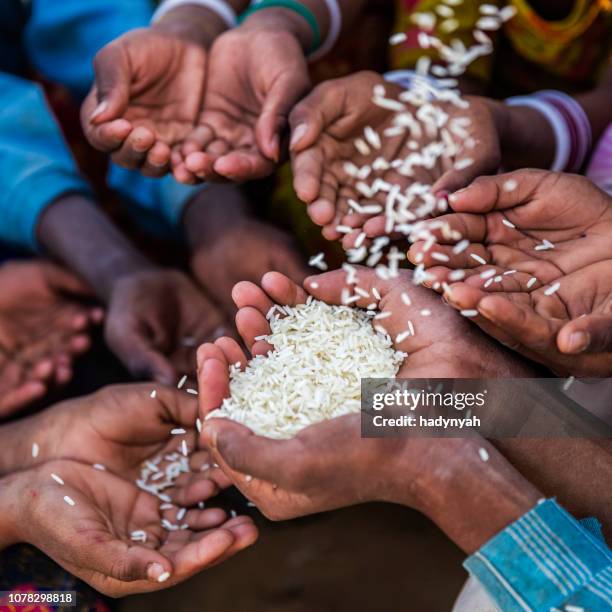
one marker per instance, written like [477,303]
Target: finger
[232,351]
[112,83]
[60,279]
[213,386]
[199,520]
[210,350]
[245,534]
[252,324]
[499,192]
[310,117]
[109,137]
[282,290]
[242,451]
[133,152]
[519,321]
[199,489]
[246,293]
[307,168]
[197,555]
[16,399]
[466,168]
[243,165]
[590,334]
[157,162]
[137,353]
[278,102]
[202,165]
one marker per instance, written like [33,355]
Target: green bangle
[294,6]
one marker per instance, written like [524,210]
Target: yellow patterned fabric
[530,51]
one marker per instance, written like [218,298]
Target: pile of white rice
[314,373]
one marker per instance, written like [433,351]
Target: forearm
[471,500]
[196,23]
[75,231]
[208,215]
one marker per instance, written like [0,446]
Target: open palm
[145,99]
[86,525]
[254,78]
[545,241]
[345,147]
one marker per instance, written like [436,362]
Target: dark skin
[37,297]
[324,128]
[156,316]
[331,466]
[228,244]
[119,427]
[446,480]
[549,329]
[247,101]
[148,89]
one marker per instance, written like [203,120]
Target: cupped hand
[544,288]
[44,321]
[156,319]
[330,170]
[255,76]
[86,525]
[146,98]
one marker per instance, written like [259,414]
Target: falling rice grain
[182,382]
[484,454]
[478,258]
[552,289]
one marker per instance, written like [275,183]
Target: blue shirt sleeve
[546,560]
[36,166]
[62,38]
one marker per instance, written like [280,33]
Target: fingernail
[579,342]
[453,197]
[298,134]
[99,110]
[209,435]
[157,573]
[443,193]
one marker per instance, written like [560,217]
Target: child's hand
[44,325]
[145,99]
[119,427]
[156,318]
[325,126]
[85,525]
[256,73]
[534,225]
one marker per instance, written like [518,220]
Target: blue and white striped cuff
[545,560]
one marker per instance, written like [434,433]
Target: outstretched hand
[86,525]
[255,76]
[544,287]
[335,162]
[44,325]
[146,97]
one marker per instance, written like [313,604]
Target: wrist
[192,23]
[211,214]
[469,498]
[280,19]
[75,231]
[11,515]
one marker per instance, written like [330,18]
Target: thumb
[112,83]
[236,447]
[311,116]
[285,92]
[590,334]
[129,564]
[465,169]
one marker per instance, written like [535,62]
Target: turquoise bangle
[296,7]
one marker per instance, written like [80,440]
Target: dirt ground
[376,557]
